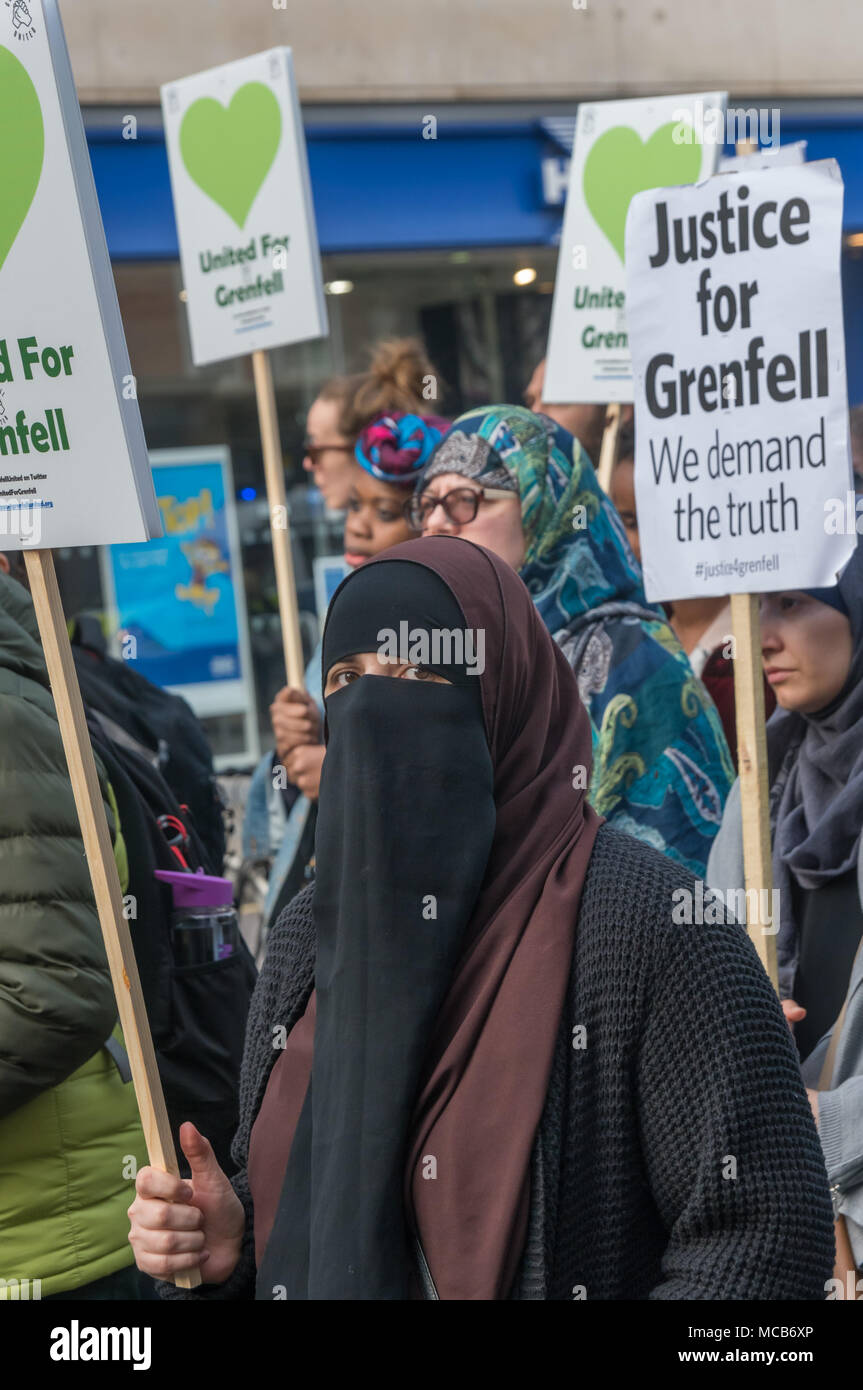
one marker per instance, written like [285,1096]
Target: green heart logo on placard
[229,150]
[621,164]
[22,134]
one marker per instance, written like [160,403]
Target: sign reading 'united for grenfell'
[73,461]
[243,203]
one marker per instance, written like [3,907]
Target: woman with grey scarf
[812,651]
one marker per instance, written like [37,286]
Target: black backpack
[197,1013]
[160,723]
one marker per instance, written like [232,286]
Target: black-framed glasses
[314,451]
[461,505]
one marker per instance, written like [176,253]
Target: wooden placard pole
[609,447]
[752,758]
[752,769]
[280,529]
[103,869]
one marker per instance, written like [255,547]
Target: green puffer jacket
[70,1137]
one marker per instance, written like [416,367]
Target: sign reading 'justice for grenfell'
[738,353]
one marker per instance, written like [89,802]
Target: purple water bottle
[204,924]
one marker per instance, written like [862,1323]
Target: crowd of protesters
[482,1059]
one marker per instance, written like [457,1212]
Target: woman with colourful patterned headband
[397,380]
[391,451]
[395,385]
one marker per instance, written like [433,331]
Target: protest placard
[68,400]
[735,315]
[248,248]
[620,148]
[741,416]
[242,200]
[64,367]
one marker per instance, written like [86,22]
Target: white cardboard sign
[73,461]
[620,148]
[243,204]
[741,412]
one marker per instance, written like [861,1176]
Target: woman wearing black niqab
[506,1074]
[401,846]
[430,890]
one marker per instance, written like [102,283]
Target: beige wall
[475,50]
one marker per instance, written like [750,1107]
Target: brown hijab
[489,1054]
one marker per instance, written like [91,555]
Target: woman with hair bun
[397,379]
[382,410]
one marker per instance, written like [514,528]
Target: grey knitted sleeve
[730,1146]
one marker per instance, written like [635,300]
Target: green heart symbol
[22,135]
[229,150]
[620,164]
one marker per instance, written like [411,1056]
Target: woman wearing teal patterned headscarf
[661,766]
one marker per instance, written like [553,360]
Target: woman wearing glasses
[277,823]
[389,455]
[390,452]
[344,407]
[519,484]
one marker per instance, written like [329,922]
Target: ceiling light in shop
[338,286]
[525,276]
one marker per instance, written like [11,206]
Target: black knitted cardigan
[676,1156]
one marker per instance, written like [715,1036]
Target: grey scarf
[816,774]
